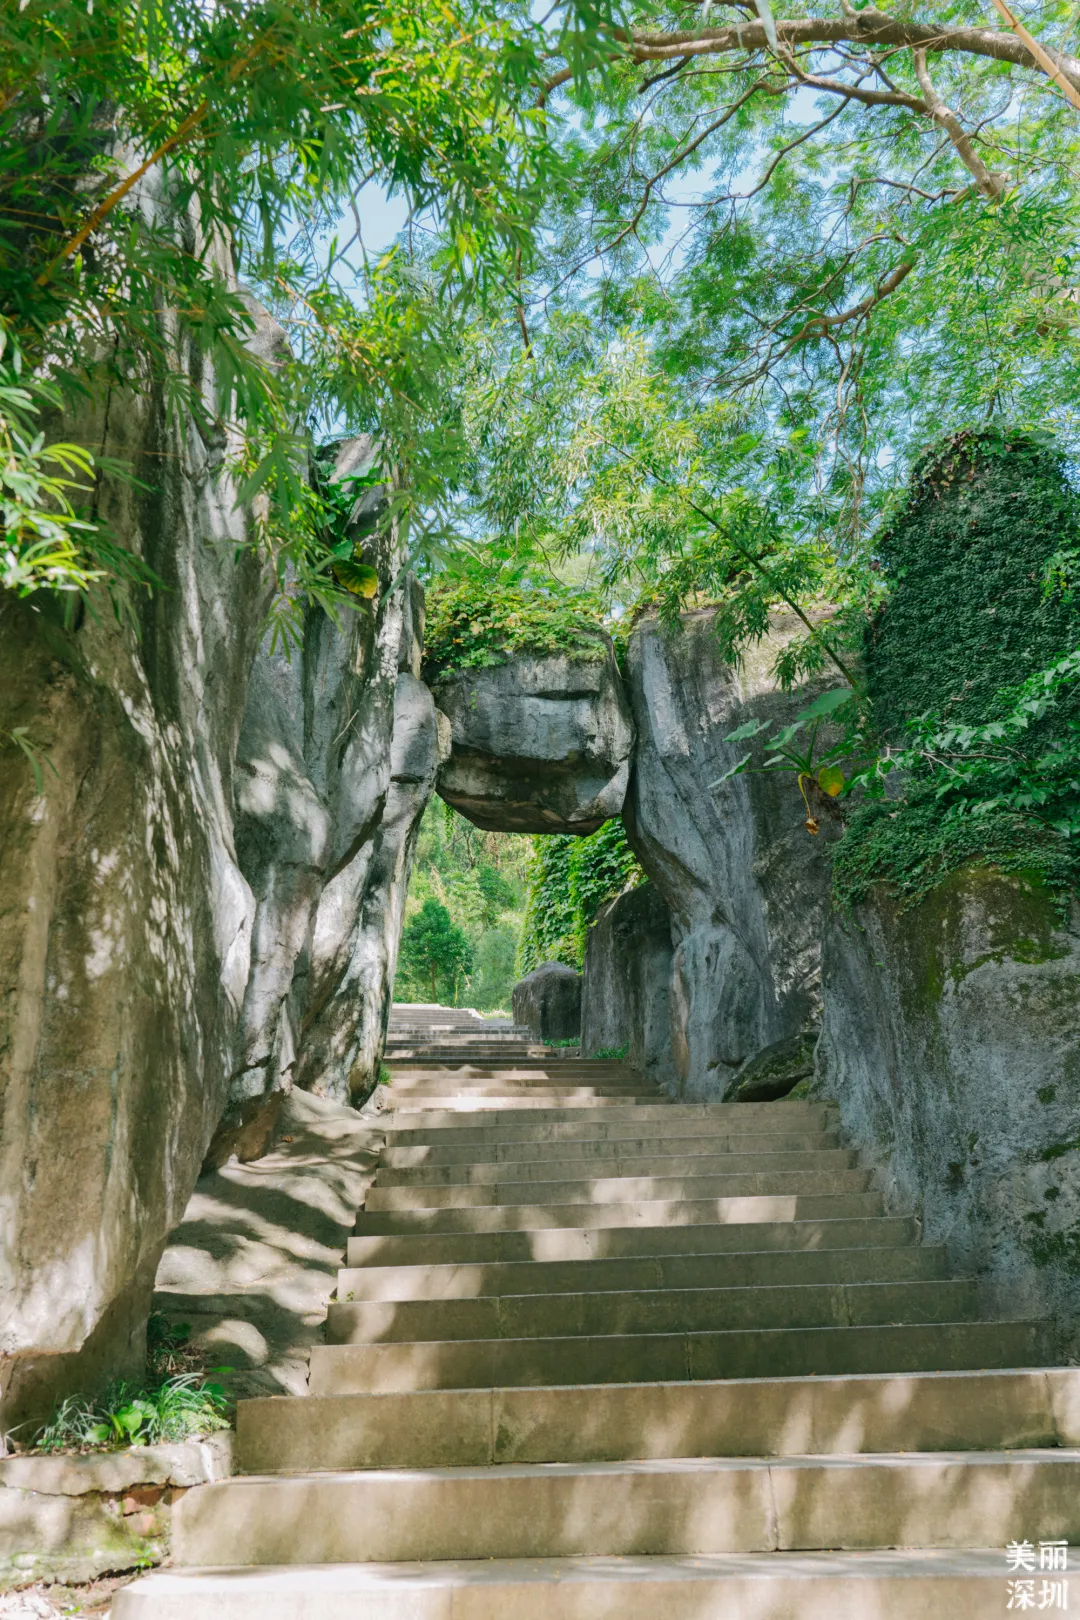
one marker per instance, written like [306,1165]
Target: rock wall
[951,1043]
[625,983]
[126,923]
[337,759]
[746,886]
[538,744]
[201,909]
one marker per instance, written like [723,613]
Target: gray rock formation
[203,907]
[951,1044]
[548,1002]
[126,923]
[337,760]
[776,1070]
[625,983]
[539,744]
[746,885]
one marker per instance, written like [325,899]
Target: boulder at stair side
[540,744]
[548,1002]
[776,1070]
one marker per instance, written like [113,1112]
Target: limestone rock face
[202,909]
[625,983]
[951,1044]
[539,744]
[746,885]
[337,759]
[548,1002]
[125,920]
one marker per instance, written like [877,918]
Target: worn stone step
[642,1212]
[652,1311]
[469,1096]
[659,1310]
[672,1507]
[769,1268]
[570,1244]
[659,1163]
[664,1357]
[888,1585]
[408,1127]
[527,1091]
[572,1151]
[620,1189]
[755,1417]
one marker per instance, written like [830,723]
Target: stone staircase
[432,1034]
[599,1356]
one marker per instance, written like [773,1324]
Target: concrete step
[617,1189]
[563,1124]
[642,1212]
[749,1269]
[658,1310]
[571,1151]
[659,1163]
[890,1585]
[674,1507]
[665,1357]
[555,1244]
[756,1417]
[465,1097]
[536,1090]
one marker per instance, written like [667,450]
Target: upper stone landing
[540,744]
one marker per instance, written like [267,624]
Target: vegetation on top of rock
[472,624]
[569,880]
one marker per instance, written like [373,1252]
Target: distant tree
[434,948]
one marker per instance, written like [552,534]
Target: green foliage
[569,880]
[968,616]
[121,124]
[175,1408]
[479,878]
[434,951]
[472,624]
[613,1054]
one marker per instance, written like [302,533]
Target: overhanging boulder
[539,744]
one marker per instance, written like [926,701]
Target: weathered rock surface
[74,1518]
[212,878]
[548,1002]
[538,744]
[746,885]
[952,1046]
[625,983]
[336,762]
[776,1070]
[125,921]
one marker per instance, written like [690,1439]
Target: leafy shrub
[177,1408]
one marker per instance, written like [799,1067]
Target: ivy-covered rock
[972,607]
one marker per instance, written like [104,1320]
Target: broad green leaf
[830,780]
